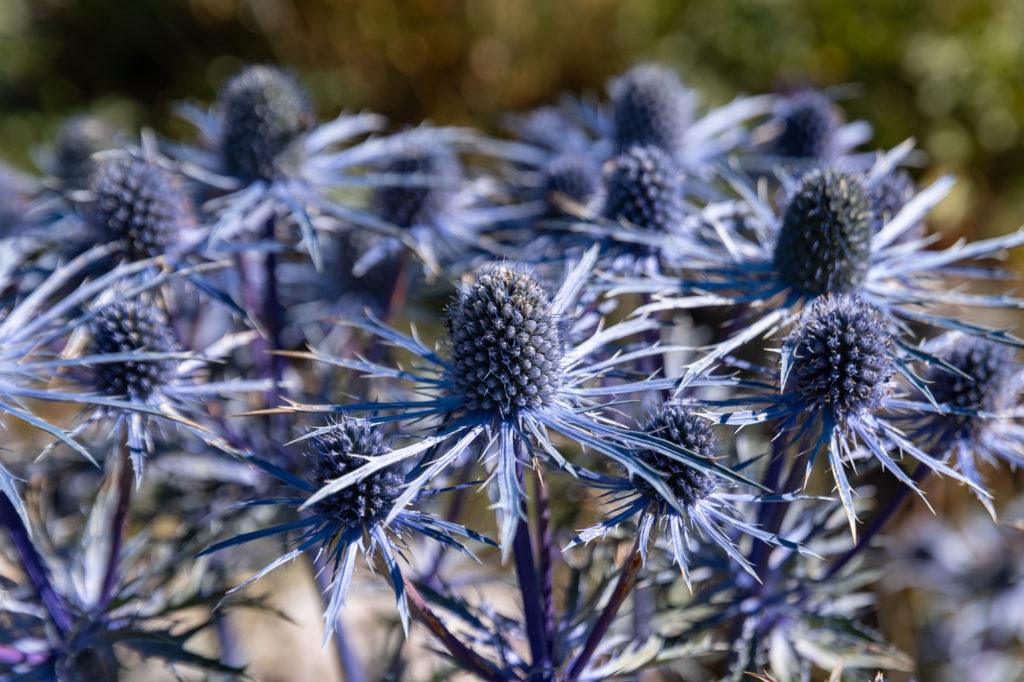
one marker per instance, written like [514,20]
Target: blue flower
[368,517]
[808,127]
[975,388]
[514,367]
[704,504]
[837,388]
[651,107]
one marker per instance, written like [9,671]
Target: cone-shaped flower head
[573,175]
[140,203]
[645,187]
[264,110]
[652,107]
[696,434]
[341,450]
[437,172]
[825,234]
[506,346]
[132,326]
[841,357]
[809,126]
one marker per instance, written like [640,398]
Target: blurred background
[947,72]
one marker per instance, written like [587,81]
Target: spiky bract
[506,346]
[825,234]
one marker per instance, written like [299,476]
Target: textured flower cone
[674,424]
[644,187]
[127,327]
[651,108]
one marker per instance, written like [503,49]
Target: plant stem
[627,579]
[547,554]
[471,660]
[34,566]
[529,584]
[117,524]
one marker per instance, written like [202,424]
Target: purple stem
[529,588]
[117,524]
[627,579]
[469,659]
[34,566]
[547,555]
[11,656]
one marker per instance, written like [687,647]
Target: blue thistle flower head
[126,327]
[809,123]
[824,240]
[435,174]
[644,186]
[686,429]
[264,111]
[340,451]
[505,343]
[840,357]
[888,194]
[141,204]
[651,107]
[572,175]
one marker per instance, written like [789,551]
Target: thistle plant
[643,384]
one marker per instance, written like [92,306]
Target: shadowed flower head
[140,204]
[651,107]
[645,187]
[127,327]
[71,161]
[825,234]
[699,501]
[439,173]
[367,518]
[809,122]
[264,111]
[571,175]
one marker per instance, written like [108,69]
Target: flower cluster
[692,361]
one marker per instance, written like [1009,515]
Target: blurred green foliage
[947,72]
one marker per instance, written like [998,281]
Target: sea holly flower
[707,508]
[137,375]
[837,387]
[651,107]
[808,127]
[512,368]
[265,158]
[362,519]
[826,240]
[976,389]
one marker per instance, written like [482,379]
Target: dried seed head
[506,346]
[131,326]
[346,447]
[674,424]
[825,235]
[841,351]
[645,187]
[140,204]
[264,111]
[652,107]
